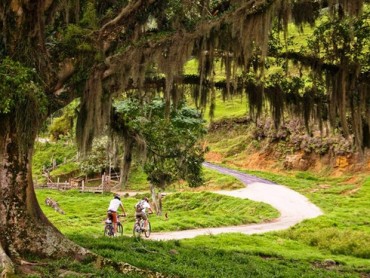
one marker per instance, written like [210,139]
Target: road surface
[293,207]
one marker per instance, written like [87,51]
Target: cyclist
[114,204]
[141,207]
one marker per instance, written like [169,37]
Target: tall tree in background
[170,147]
[55,51]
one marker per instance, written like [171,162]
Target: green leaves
[18,85]
[348,37]
[172,142]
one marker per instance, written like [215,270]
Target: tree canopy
[171,145]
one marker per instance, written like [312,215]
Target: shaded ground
[293,207]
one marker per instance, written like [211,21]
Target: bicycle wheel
[108,230]
[136,231]
[148,230]
[119,229]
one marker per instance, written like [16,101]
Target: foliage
[64,124]
[98,159]
[336,38]
[241,26]
[19,85]
[171,142]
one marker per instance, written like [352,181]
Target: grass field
[333,245]
[85,212]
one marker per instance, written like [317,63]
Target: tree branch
[121,20]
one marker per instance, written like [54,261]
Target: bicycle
[139,228]
[109,228]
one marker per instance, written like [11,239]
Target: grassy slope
[232,255]
[307,250]
[85,213]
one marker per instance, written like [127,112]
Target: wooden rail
[82,184]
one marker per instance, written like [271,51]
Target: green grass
[66,169]
[45,153]
[85,212]
[137,179]
[235,106]
[344,229]
[231,255]
[213,180]
[306,250]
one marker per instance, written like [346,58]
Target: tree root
[126,268]
[55,245]
[6,264]
[22,262]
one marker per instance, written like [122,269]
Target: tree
[171,144]
[53,51]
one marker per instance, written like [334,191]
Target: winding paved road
[293,207]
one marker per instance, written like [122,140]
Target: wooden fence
[84,184]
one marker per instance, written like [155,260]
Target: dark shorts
[141,215]
[112,215]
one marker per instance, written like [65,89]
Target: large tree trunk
[24,229]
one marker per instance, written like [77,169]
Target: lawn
[333,245]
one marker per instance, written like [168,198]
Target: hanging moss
[307,107]
[238,35]
[306,11]
[95,108]
[276,100]
[349,7]
[255,99]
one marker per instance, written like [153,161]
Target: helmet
[117,196]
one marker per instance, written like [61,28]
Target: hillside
[239,142]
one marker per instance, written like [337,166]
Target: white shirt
[145,205]
[114,205]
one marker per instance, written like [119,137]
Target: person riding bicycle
[140,208]
[114,204]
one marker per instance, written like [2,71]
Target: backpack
[139,206]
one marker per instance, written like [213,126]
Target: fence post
[103,181]
[83,185]
[58,183]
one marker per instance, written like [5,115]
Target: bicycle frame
[109,226]
[139,228]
